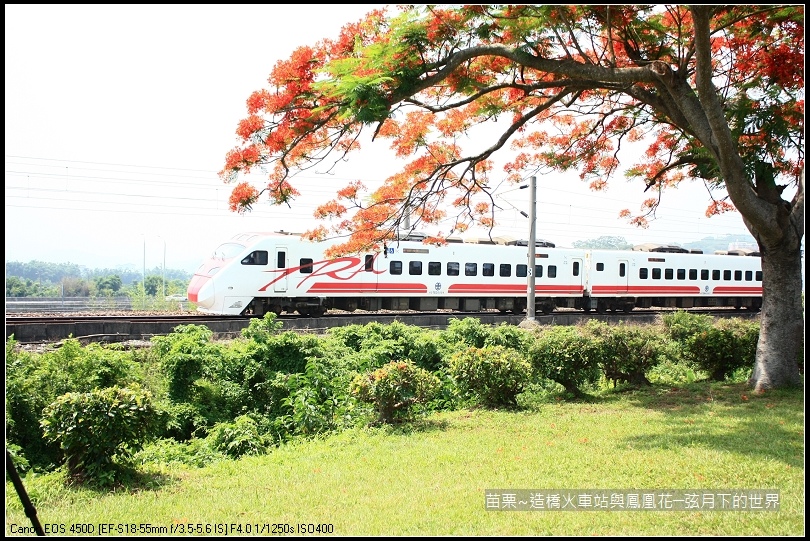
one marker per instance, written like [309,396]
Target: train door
[281,264]
[623,270]
[368,274]
[577,285]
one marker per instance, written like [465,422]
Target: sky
[118,118]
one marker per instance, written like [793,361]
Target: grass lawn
[430,477]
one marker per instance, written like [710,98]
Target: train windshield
[227,250]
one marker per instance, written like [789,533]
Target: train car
[257,273]
[669,276]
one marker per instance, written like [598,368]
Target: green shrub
[289,351]
[183,356]
[567,355]
[467,332]
[35,380]
[237,438]
[261,330]
[681,325]
[509,336]
[319,400]
[725,347]
[394,389]
[627,352]
[98,431]
[425,350]
[381,344]
[494,374]
[196,452]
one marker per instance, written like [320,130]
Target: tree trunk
[781,331]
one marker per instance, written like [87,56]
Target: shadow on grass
[723,416]
[128,479]
[414,426]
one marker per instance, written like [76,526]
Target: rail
[55,305]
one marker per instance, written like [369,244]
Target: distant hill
[710,245]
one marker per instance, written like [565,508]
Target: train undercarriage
[318,306]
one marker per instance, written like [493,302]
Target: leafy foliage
[239,437]
[575,81]
[723,348]
[394,389]
[184,355]
[35,381]
[99,430]
[567,355]
[494,374]
[627,352]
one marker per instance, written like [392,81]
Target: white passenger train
[256,273]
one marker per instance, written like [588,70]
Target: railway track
[33,329]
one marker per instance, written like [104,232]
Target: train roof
[413,236]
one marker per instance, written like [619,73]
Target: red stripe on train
[738,290]
[660,290]
[324,287]
[514,289]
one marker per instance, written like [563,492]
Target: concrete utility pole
[530,309]
[144,266]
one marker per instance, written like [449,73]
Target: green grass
[430,477]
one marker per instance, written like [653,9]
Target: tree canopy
[574,84]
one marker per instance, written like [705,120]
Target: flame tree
[715,94]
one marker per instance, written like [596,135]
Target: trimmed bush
[567,355]
[467,332]
[493,374]
[394,389]
[725,347]
[628,351]
[98,431]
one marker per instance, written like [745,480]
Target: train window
[395,267]
[434,268]
[575,270]
[748,276]
[415,268]
[704,274]
[599,267]
[281,260]
[738,276]
[521,271]
[552,271]
[305,265]
[715,274]
[369,263]
[470,269]
[758,276]
[259,257]
[726,275]
[506,270]
[538,271]
[693,274]
[488,269]
[681,274]
[669,274]
[642,273]
[452,268]
[656,274]
[622,269]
